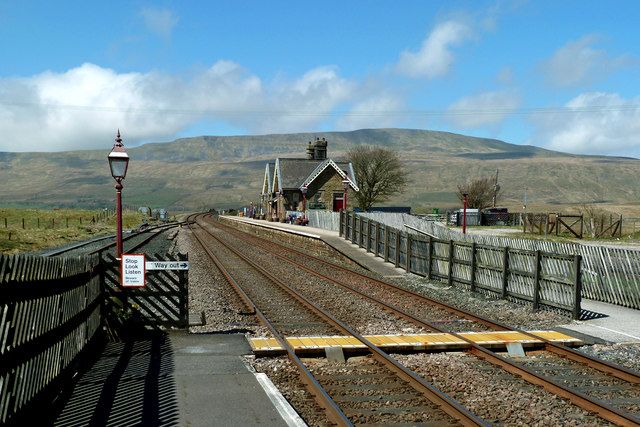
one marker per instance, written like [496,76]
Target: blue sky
[562,75]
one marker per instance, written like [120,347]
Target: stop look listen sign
[133,270]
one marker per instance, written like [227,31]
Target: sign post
[133,271]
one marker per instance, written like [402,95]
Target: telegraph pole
[496,188]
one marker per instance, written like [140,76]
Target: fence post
[377,227]
[38,222]
[473,266]
[408,253]
[23,223]
[386,243]
[341,225]
[536,282]
[577,282]
[368,235]
[398,236]
[505,271]
[450,272]
[354,219]
[429,257]
[361,239]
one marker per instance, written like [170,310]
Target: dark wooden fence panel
[537,277]
[50,318]
[163,302]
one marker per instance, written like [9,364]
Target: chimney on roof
[320,149]
[310,151]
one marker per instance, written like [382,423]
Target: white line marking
[617,332]
[286,411]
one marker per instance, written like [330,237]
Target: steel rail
[600,365]
[157,230]
[334,413]
[580,399]
[436,396]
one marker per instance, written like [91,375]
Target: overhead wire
[349,113]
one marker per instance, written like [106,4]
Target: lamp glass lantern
[118,162]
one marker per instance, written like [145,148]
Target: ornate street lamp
[118,162]
[345,186]
[304,202]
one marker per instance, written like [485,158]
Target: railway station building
[286,179]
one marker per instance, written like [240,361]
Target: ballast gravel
[210,293]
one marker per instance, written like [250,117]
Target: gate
[162,303]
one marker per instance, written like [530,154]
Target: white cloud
[373,112]
[593,123]
[82,107]
[578,63]
[488,108]
[435,57]
[159,21]
[306,101]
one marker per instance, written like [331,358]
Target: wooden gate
[162,303]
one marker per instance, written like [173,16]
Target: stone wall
[315,247]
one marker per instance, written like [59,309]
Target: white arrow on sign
[167,265]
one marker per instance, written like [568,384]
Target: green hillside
[227,171]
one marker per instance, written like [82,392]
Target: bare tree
[480,192]
[379,172]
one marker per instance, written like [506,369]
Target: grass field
[28,230]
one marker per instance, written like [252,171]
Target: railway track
[614,393]
[133,241]
[378,389]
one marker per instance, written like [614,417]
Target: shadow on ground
[131,383]
[590,315]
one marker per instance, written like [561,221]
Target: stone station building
[323,178]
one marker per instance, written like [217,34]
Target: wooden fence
[162,303]
[609,274]
[537,277]
[326,220]
[50,318]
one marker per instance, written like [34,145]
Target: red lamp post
[118,163]
[345,186]
[464,214]
[304,201]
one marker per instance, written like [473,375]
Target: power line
[364,113]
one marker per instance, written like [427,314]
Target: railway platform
[331,238]
[176,378]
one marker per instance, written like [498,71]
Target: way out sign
[133,270]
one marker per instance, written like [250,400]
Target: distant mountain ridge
[226,171]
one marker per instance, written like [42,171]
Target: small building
[287,179]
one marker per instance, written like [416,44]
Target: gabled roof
[289,174]
[267,184]
[340,168]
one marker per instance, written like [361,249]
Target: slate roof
[294,173]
